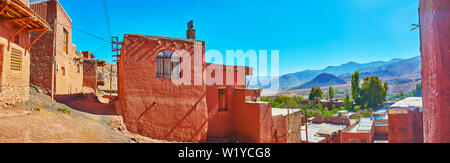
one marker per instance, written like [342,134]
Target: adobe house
[152,105]
[17,21]
[92,79]
[360,132]
[435,38]
[405,121]
[55,66]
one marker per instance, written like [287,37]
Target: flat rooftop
[312,134]
[364,126]
[153,37]
[314,129]
[283,112]
[410,102]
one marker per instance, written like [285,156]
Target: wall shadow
[87,103]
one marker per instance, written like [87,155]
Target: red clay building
[405,123]
[54,63]
[91,78]
[17,21]
[359,132]
[152,105]
[435,40]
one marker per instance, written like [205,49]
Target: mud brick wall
[155,107]
[435,40]
[405,126]
[90,74]
[68,74]
[14,84]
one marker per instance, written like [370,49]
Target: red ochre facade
[156,107]
[405,126]
[90,75]
[435,40]
[347,136]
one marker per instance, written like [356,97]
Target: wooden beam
[34,41]
[3,8]
[37,29]
[15,34]
[20,19]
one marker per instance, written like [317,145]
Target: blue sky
[310,34]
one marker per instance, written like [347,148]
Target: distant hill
[322,80]
[394,71]
[404,71]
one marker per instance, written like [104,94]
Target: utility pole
[289,131]
[116,47]
[110,84]
[306,124]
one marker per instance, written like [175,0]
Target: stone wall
[14,84]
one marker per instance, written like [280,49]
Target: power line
[92,35]
[101,48]
[108,24]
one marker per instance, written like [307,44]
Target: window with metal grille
[65,45]
[167,64]
[16,60]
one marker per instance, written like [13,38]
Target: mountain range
[322,80]
[394,71]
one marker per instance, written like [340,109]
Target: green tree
[348,103]
[331,93]
[356,89]
[373,93]
[417,92]
[315,92]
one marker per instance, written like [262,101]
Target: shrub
[357,107]
[64,110]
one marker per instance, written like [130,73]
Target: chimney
[190,33]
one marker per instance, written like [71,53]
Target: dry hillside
[43,120]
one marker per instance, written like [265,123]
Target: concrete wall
[435,38]
[155,107]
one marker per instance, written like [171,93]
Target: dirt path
[20,126]
[43,120]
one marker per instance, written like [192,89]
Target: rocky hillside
[322,80]
[392,71]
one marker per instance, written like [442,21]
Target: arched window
[167,64]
